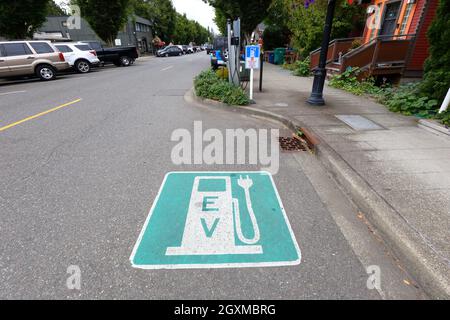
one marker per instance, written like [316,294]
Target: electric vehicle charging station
[216,220]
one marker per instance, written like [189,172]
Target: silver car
[27,58]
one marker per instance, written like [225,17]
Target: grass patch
[209,85]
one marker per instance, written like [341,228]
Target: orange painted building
[394,42]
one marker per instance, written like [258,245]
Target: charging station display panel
[216,220]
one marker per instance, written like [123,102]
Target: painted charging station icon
[216,220]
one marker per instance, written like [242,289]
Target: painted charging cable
[246,184]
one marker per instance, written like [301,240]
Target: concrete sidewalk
[395,171]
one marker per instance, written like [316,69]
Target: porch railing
[387,53]
[383,54]
[336,47]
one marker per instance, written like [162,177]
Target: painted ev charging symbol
[216,220]
[211,220]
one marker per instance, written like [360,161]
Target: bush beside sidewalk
[399,175]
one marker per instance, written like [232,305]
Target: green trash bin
[279,55]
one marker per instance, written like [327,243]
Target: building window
[406,16]
[140,27]
[374,31]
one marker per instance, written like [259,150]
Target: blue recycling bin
[272,57]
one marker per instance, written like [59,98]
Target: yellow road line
[39,115]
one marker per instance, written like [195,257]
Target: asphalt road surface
[82,159]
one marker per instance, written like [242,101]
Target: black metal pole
[320,73]
[261,58]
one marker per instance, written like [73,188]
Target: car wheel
[46,72]
[125,61]
[180,54]
[82,66]
[166,55]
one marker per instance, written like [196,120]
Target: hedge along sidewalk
[398,176]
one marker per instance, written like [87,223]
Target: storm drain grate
[291,144]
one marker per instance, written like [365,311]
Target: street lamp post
[316,98]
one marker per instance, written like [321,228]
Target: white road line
[168,68]
[12,92]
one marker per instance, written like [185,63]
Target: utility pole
[316,98]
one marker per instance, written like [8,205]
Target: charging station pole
[230,65]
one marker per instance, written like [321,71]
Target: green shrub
[299,68]
[302,68]
[222,73]
[348,81]
[210,86]
[407,100]
[444,117]
[437,67]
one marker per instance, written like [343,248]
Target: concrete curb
[421,262]
[434,126]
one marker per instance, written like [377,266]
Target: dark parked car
[169,52]
[120,56]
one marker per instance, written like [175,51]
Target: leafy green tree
[54,9]
[437,67]
[187,31]
[306,24]
[161,13]
[277,33]
[106,17]
[275,37]
[19,19]
[181,31]
[221,21]
[251,12]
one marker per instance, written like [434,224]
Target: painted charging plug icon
[213,223]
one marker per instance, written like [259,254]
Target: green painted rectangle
[208,220]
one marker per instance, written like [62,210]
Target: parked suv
[27,58]
[80,56]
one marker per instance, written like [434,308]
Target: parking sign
[252,54]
